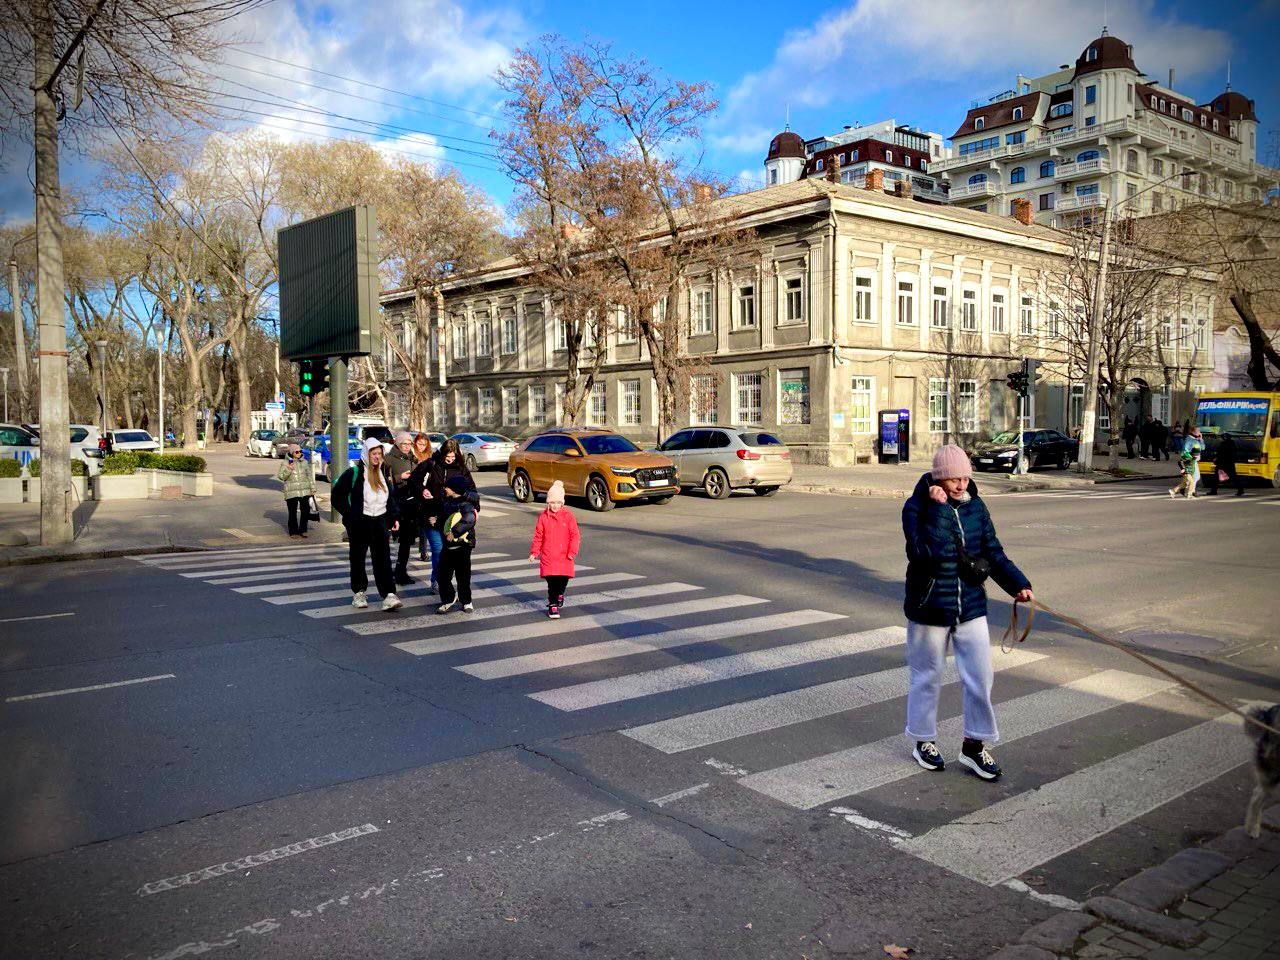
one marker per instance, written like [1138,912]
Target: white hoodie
[375,500]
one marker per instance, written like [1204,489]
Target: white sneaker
[467,608]
[359,600]
[391,602]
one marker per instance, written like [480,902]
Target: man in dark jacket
[947,528]
[400,464]
[1146,434]
[1225,460]
[1159,440]
[1130,434]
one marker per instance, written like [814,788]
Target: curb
[68,556]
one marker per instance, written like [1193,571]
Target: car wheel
[716,484]
[521,487]
[1064,462]
[598,496]
[471,463]
[765,491]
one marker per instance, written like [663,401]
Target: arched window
[1154,102]
[1017,113]
[1018,175]
[1131,161]
[853,157]
[1092,54]
[1046,169]
[1087,155]
[978,178]
[979,123]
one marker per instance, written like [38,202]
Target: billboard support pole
[338,405]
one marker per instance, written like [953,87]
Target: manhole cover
[1177,642]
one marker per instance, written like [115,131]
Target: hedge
[10,467]
[125,462]
[78,468]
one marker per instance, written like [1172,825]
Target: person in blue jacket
[951,548]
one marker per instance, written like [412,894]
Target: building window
[629,395]
[1027,318]
[700,319]
[1087,155]
[1046,201]
[509,333]
[967,405]
[702,399]
[939,406]
[820,162]
[979,123]
[562,332]
[1090,121]
[862,300]
[1201,340]
[746,398]
[1046,169]
[460,340]
[1166,332]
[773,175]
[793,404]
[597,407]
[1157,167]
[888,156]
[1015,138]
[924,164]
[1153,101]
[1018,175]
[538,404]
[862,402]
[978,146]
[1017,115]
[1091,55]
[747,306]
[1131,161]
[969,310]
[997,313]
[940,316]
[410,337]
[906,303]
[794,290]
[977,178]
[488,404]
[1188,116]
[1088,190]
[439,411]
[628,329]
[1091,94]
[1062,110]
[1055,322]
[511,406]
[464,409]
[484,338]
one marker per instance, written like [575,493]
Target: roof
[786,144]
[999,114]
[1109,53]
[1234,106]
[1146,92]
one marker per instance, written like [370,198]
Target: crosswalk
[796,705]
[1256,497]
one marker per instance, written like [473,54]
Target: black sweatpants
[555,589]
[369,535]
[408,537]
[298,510]
[455,564]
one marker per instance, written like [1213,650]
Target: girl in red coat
[555,544]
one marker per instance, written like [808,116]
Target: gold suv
[599,465]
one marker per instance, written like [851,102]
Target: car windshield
[382,433]
[492,438]
[1011,436]
[133,436]
[1241,417]
[760,440]
[597,444]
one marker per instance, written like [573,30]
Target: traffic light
[313,377]
[1017,382]
[1023,380]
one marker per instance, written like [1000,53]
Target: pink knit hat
[951,463]
[556,493]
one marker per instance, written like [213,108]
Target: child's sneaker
[391,602]
[359,600]
[467,608]
[928,755]
[978,759]
[445,607]
[553,612]
[560,602]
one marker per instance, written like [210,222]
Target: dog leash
[1018,631]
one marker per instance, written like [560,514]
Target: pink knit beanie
[951,463]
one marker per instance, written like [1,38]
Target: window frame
[1018,175]
[624,397]
[943,298]
[905,297]
[509,394]
[702,307]
[739,383]
[696,392]
[785,317]
[461,347]
[800,375]
[858,291]
[1026,316]
[599,392]
[940,391]
[970,321]
[509,345]
[744,306]
[998,308]
[537,404]
[967,411]
[861,425]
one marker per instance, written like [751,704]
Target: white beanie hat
[369,444]
[404,436]
[555,493]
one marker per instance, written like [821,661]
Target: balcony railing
[1077,169]
[968,191]
[1089,201]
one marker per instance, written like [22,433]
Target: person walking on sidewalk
[556,542]
[1130,435]
[299,479]
[1146,438]
[1159,440]
[362,495]
[952,548]
[457,527]
[426,521]
[400,464]
[1224,467]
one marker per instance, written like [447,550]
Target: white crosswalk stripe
[418,594]
[734,720]
[307,566]
[597,693]
[199,556]
[810,783]
[321,567]
[399,624]
[1082,806]
[574,621]
[326,581]
[275,556]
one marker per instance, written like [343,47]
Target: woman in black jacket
[426,484]
[362,495]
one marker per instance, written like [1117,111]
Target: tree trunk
[1260,348]
[244,384]
[191,403]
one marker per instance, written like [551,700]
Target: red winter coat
[556,542]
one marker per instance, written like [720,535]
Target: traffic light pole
[338,402]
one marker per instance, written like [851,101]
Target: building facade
[1102,133]
[852,301]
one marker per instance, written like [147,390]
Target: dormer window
[1215,126]
[1154,101]
[1017,113]
[1188,116]
[888,156]
[853,157]
[1091,54]
[1204,121]
[979,123]
[1162,103]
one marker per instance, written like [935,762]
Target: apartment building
[850,301]
[903,154]
[1102,133]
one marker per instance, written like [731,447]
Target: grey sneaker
[445,607]
[391,602]
[359,600]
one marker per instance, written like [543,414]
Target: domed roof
[787,144]
[1105,53]
[1235,106]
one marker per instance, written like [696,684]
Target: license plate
[657,483]
[985,460]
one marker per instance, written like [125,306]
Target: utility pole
[55,441]
[4,372]
[338,406]
[19,328]
[1090,415]
[102,381]
[162,339]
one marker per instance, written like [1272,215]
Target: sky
[427,67]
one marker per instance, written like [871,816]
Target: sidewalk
[898,480]
[1220,901]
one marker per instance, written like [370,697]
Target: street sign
[274,406]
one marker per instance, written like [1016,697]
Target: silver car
[723,459]
[484,449]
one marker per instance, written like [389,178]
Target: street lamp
[102,379]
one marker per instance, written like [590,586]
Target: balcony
[972,191]
[1079,169]
[1090,201]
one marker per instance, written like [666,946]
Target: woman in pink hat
[952,549]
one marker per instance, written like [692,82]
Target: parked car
[18,443]
[484,449]
[131,440]
[1042,448]
[723,459]
[261,443]
[321,454]
[600,465]
[280,446]
[86,444]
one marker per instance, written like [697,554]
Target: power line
[380,146]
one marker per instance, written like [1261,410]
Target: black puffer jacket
[935,594]
[431,475]
[348,494]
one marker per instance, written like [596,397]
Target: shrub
[10,467]
[121,464]
[78,468]
[125,462]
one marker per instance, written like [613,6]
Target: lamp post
[102,380]
[4,372]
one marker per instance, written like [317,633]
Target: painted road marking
[421,595]
[597,693]
[336,581]
[38,616]
[254,860]
[322,565]
[647,643]
[570,624]
[734,720]
[213,557]
[397,625]
[96,686]
[679,795]
[811,783]
[1081,806]
[295,565]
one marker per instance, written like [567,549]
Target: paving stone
[1023,951]
[1061,931]
[1095,951]
[1225,884]
[1235,917]
[1234,844]
[1102,933]
[1196,911]
[1271,817]
[1216,929]
[1212,898]
[1158,887]
[1167,953]
[1175,931]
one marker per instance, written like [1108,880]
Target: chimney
[1022,211]
[875,180]
[1171,78]
[902,188]
[833,168]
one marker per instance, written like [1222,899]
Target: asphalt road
[702,759]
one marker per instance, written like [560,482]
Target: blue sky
[919,62]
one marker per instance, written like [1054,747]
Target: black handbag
[971,569]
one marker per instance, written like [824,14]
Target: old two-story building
[849,301]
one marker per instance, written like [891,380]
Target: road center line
[38,616]
[96,686]
[254,860]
